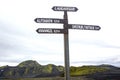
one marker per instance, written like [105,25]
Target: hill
[101,72]
[32,69]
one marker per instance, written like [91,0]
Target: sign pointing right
[83,27]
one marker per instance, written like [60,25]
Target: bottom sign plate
[51,30]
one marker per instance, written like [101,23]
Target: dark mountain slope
[32,69]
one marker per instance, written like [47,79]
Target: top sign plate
[63,8]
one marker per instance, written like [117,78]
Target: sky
[19,40]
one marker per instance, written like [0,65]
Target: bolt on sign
[64,31]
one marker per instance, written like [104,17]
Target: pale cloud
[113,60]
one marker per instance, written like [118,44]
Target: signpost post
[64,31]
[66,48]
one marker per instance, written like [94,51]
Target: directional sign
[64,31]
[48,20]
[63,8]
[83,27]
[51,30]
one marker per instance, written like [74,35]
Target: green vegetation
[32,70]
[86,70]
[52,78]
[29,63]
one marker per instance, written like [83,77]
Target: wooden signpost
[64,31]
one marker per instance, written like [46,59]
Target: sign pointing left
[51,30]
[48,20]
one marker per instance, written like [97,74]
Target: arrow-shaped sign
[83,27]
[51,30]
[48,20]
[63,8]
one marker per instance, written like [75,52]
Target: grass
[51,78]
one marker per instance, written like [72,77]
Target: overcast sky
[19,40]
